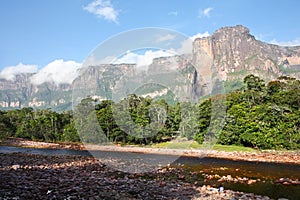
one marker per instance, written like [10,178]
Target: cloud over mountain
[10,72]
[142,59]
[58,71]
[187,45]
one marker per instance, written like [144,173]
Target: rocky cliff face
[116,81]
[229,54]
[20,92]
[232,52]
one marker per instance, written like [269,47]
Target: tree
[188,125]
[255,89]
[203,120]
[70,133]
[254,83]
[7,129]
[24,128]
[87,123]
[106,119]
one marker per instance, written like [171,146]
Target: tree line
[260,115]
[41,125]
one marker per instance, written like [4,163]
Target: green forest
[258,115]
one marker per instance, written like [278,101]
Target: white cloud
[187,45]
[145,59]
[10,72]
[92,60]
[164,38]
[200,35]
[103,9]
[142,60]
[295,42]
[173,13]
[206,12]
[58,71]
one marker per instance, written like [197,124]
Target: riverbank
[19,142]
[26,176]
[290,157]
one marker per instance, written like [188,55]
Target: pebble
[287,181]
[76,177]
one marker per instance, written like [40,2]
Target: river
[263,173]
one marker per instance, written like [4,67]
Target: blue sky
[37,33]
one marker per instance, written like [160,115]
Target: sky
[56,35]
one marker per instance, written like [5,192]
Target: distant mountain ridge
[234,51]
[229,54]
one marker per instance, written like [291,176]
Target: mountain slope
[229,54]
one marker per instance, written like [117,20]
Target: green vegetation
[230,148]
[40,125]
[242,73]
[178,145]
[196,145]
[288,69]
[251,59]
[257,115]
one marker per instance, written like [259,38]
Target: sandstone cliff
[233,53]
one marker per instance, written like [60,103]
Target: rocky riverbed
[25,176]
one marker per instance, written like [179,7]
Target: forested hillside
[260,115]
